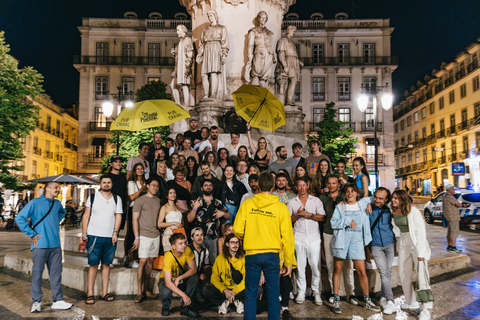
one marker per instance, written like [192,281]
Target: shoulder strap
[92,198]
[181,268]
[49,210]
[378,219]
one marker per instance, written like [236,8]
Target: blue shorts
[353,248]
[100,249]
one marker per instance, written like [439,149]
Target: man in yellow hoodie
[264,224]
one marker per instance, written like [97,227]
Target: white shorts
[148,247]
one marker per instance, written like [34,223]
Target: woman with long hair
[361,175]
[301,171]
[170,218]
[320,181]
[183,188]
[174,161]
[413,253]
[164,171]
[216,171]
[242,154]
[230,192]
[351,232]
[162,177]
[253,169]
[261,154]
[192,168]
[227,229]
[224,159]
[187,150]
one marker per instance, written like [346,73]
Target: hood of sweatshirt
[262,200]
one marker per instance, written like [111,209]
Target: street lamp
[108,106]
[372,92]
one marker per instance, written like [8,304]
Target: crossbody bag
[49,210]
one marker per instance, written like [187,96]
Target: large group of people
[231,225]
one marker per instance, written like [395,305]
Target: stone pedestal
[210,113]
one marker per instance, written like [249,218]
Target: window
[35,142]
[403,161]
[343,89]
[318,89]
[415,117]
[441,103]
[416,136]
[67,133]
[410,159]
[434,154]
[424,113]
[370,83]
[49,123]
[432,129]
[128,87]
[102,52]
[476,84]
[424,155]
[100,119]
[417,157]
[451,97]
[409,139]
[318,114]
[34,168]
[47,146]
[154,53]
[128,53]
[403,141]
[369,119]
[317,53]
[452,120]
[344,115]
[57,128]
[424,132]
[369,53]
[465,143]
[46,169]
[464,115]
[343,52]
[409,121]
[402,125]
[298,93]
[454,147]
[432,107]
[396,127]
[463,91]
[396,147]
[443,152]
[101,88]
[476,108]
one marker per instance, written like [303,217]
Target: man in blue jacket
[45,213]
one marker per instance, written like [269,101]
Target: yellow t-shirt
[169,263]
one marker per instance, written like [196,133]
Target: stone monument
[182,73]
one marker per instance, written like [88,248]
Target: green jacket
[329,206]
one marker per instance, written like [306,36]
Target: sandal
[108,297]
[90,300]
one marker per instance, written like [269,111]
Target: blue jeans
[52,257]
[269,263]
[383,257]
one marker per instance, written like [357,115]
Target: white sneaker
[61,305]
[389,308]
[383,302]
[371,306]
[239,305]
[135,264]
[318,299]
[424,315]
[352,300]
[300,297]
[331,300]
[414,305]
[291,296]
[36,306]
[115,262]
[224,307]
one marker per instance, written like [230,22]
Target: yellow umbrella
[259,107]
[149,114]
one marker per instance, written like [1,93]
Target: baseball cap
[193,119]
[253,177]
[115,158]
[449,186]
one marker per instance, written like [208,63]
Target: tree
[17,115]
[335,135]
[129,140]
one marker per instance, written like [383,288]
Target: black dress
[256,158]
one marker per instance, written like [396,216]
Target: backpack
[92,198]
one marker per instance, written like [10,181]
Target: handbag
[424,295]
[237,276]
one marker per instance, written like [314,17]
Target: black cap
[115,158]
[253,177]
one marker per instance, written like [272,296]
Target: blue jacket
[49,228]
[383,234]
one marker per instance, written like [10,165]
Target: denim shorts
[100,249]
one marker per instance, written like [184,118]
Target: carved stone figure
[287,72]
[212,53]
[236,2]
[261,58]
[193,6]
[182,73]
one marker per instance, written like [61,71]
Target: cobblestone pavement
[457,294]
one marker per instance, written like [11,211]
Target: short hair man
[297,154]
[45,213]
[100,225]
[204,134]
[242,175]
[157,145]
[147,237]
[194,133]
[306,211]
[264,225]
[179,275]
[233,145]
[143,150]
[281,162]
[281,191]
[212,144]
[451,214]
[313,160]
[170,145]
[202,255]
[206,174]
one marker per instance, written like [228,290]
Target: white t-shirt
[352,207]
[134,160]
[207,143]
[102,215]
[133,187]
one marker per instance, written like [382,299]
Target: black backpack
[92,198]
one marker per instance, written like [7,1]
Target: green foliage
[129,141]
[334,135]
[17,117]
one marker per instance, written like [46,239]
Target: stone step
[72,240]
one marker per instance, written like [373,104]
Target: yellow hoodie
[264,225]
[222,274]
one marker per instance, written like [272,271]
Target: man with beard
[206,174]
[281,191]
[212,144]
[297,154]
[206,213]
[204,134]
[313,160]
[143,150]
[254,189]
[281,162]
[100,225]
[242,174]
[157,145]
[193,133]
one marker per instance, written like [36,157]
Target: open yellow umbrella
[259,107]
[149,114]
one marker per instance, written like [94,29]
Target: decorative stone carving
[193,6]
[236,2]
[261,58]
[182,73]
[212,53]
[287,72]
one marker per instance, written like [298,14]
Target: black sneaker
[456,250]
[286,315]
[449,248]
[187,311]
[165,312]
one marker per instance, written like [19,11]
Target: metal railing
[49,154]
[348,61]
[100,125]
[122,60]
[369,127]
[370,158]
[37,151]
[94,158]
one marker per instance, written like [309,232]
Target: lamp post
[372,92]
[108,106]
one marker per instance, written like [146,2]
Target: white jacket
[418,233]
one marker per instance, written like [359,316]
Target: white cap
[449,186]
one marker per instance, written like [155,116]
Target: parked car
[433,209]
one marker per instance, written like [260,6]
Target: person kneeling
[228,277]
[179,275]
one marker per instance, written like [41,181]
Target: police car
[471,215]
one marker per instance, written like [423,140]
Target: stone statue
[212,53]
[287,72]
[193,5]
[182,73]
[261,58]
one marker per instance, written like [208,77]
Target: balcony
[453,157]
[67,145]
[58,157]
[368,126]
[49,154]
[99,126]
[121,60]
[441,134]
[37,151]
[370,158]
[348,61]
[442,160]
[462,126]
[94,158]
[452,130]
[462,155]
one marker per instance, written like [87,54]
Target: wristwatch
[311,216]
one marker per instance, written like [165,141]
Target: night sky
[44,34]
